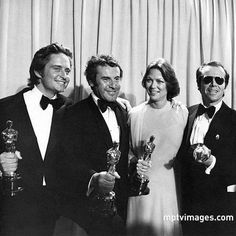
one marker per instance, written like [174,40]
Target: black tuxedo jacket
[204,194]
[83,152]
[32,211]
[32,167]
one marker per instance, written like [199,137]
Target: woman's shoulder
[137,108]
[180,109]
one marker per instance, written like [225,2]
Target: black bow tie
[102,104]
[209,110]
[56,103]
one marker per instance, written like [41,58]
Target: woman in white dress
[155,214]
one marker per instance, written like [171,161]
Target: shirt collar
[217,106]
[38,94]
[95,98]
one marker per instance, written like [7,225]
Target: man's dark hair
[42,57]
[99,60]
[199,73]
[168,74]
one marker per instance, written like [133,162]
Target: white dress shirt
[111,121]
[40,119]
[201,125]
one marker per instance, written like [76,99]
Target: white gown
[146,214]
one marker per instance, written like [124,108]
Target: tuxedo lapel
[56,126]
[215,129]
[218,132]
[192,116]
[24,126]
[54,133]
[122,122]
[101,124]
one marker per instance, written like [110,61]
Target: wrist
[210,164]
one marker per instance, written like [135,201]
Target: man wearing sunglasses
[208,155]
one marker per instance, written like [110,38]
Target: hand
[201,153]
[143,167]
[104,182]
[209,161]
[9,161]
[176,104]
[124,103]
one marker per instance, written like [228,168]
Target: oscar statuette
[139,183]
[103,205]
[10,180]
[201,153]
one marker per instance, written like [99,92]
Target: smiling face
[212,93]
[108,80]
[55,76]
[156,87]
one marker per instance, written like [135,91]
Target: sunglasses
[209,79]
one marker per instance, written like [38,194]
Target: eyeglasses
[209,79]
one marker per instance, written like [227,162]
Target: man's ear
[38,74]
[91,84]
